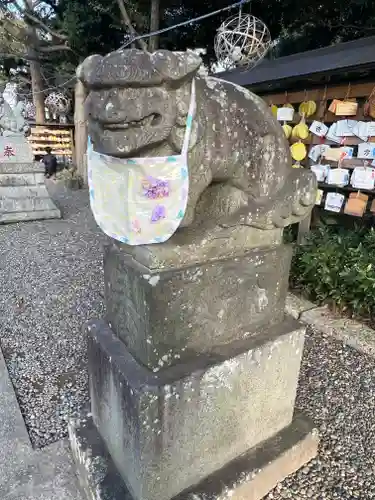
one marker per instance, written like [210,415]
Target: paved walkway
[26,474]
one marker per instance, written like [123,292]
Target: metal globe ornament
[242,41]
[57,104]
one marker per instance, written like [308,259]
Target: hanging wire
[240,13]
[184,23]
[29,94]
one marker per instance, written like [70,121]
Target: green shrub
[337,266]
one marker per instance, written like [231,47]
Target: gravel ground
[337,391]
[51,282]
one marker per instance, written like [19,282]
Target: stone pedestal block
[250,477]
[23,193]
[168,431]
[170,314]
[15,149]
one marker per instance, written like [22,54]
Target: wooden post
[35,67]
[73,147]
[80,157]
[154,25]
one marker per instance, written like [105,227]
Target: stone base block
[23,194]
[250,477]
[171,315]
[15,149]
[168,430]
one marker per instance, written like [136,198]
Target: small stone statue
[240,169]
[10,94]
[12,119]
[14,147]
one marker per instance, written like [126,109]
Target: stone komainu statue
[240,169]
[12,121]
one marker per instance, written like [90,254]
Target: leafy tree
[27,23]
[297,26]
[91,26]
[313,24]
[54,35]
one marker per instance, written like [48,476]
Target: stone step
[32,204]
[24,179]
[12,217]
[20,167]
[23,194]
[15,149]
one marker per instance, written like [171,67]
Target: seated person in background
[50,164]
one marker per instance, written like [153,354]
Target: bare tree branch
[23,78]
[129,25]
[53,48]
[46,28]
[25,57]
